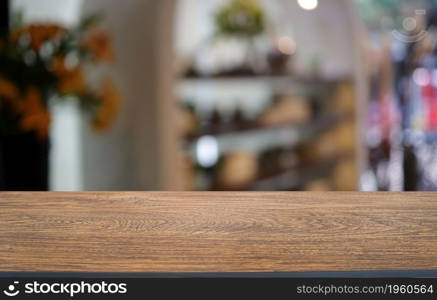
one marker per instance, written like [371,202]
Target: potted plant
[40,65]
[237,24]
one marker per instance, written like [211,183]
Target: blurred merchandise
[237,170]
[188,122]
[402,110]
[278,62]
[286,109]
[319,149]
[279,56]
[275,161]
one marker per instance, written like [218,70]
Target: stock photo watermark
[411,30]
[70,289]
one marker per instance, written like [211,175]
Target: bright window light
[207,151]
[308,4]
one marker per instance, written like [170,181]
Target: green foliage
[90,21]
[241,17]
[17,19]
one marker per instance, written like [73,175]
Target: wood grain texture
[217,232]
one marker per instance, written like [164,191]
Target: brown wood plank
[217,232]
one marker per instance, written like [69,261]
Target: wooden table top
[217,232]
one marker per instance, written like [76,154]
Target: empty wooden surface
[217,232]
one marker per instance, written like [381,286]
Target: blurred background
[276,95]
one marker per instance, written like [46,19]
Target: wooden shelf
[259,139]
[248,127]
[194,88]
[267,77]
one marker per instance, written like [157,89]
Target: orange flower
[58,65]
[108,107]
[7,89]
[34,115]
[72,82]
[98,42]
[39,33]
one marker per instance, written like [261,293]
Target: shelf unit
[337,120]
